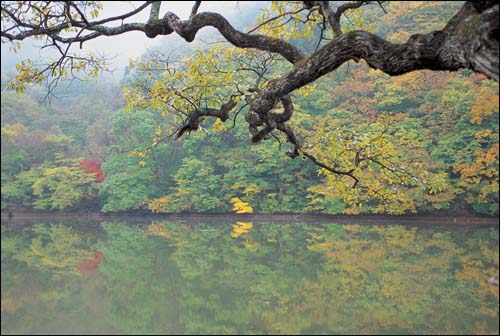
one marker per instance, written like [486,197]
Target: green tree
[129,183]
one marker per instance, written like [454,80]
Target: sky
[132,44]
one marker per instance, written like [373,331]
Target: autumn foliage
[93,167]
[420,142]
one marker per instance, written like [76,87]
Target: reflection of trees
[398,281]
[273,278]
[235,283]
[57,248]
[39,276]
[141,281]
[383,279]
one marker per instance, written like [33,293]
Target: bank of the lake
[428,219]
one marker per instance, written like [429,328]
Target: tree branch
[154,14]
[194,118]
[469,41]
[194,10]
[334,17]
[188,29]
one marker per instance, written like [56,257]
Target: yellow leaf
[241,207]
[218,126]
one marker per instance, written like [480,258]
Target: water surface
[177,277]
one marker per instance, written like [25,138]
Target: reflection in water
[169,277]
[241,228]
[90,265]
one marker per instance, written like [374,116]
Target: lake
[247,277]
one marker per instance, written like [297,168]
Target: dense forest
[108,145]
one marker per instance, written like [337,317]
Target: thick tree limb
[155,11]
[469,41]
[188,29]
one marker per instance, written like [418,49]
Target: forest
[422,142]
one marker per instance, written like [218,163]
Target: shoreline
[449,219]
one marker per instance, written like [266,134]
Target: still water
[177,277]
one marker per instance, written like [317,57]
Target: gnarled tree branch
[192,122]
[469,41]
[188,29]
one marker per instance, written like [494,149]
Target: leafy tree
[129,173]
[14,158]
[63,186]
[220,82]
[128,185]
[195,183]
[19,191]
